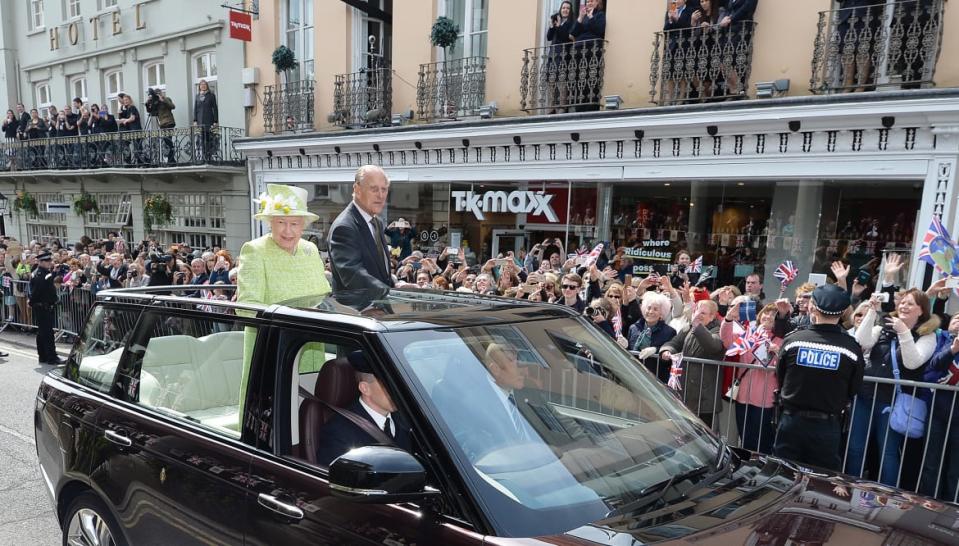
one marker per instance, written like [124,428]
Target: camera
[592,312]
[153,101]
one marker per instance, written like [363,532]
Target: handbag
[908,412]
[733,391]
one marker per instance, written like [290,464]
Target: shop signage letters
[241,26]
[517,202]
[73,27]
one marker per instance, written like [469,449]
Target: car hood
[770,501]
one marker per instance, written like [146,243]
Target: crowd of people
[687,332]
[82,119]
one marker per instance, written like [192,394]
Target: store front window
[745,227]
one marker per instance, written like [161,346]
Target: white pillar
[939,194]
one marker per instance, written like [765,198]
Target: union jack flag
[786,273]
[696,266]
[593,255]
[751,338]
[938,250]
[675,372]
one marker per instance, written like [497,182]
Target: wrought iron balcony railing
[288,107]
[558,78]
[363,99]
[894,43]
[451,89]
[188,146]
[702,63]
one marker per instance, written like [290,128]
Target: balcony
[451,89]
[363,99]
[562,78]
[288,107]
[887,45]
[189,146]
[701,64]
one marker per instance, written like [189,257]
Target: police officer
[43,299]
[820,370]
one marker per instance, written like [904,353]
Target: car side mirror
[379,475]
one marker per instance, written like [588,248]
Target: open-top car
[186,421]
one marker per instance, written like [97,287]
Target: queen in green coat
[280,266]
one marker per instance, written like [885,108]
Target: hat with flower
[283,200]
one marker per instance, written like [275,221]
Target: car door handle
[118,438]
[282,508]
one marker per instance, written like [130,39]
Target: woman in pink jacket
[754,401]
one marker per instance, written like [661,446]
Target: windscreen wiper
[654,493]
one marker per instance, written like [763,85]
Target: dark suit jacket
[354,261]
[684,21]
[340,435]
[592,28]
[741,10]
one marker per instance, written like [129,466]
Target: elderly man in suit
[359,259]
[374,405]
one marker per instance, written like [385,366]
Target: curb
[63,350]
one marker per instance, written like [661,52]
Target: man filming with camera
[161,107]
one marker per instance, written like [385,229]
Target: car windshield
[554,425]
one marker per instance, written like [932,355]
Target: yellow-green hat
[282,200]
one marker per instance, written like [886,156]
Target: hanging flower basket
[85,204]
[156,211]
[284,59]
[26,203]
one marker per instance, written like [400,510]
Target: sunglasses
[617,296]
[570,287]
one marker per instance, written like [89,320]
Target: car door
[173,461]
[290,501]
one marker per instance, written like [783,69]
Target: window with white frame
[472,18]
[72,9]
[78,88]
[36,14]
[113,84]
[298,36]
[204,68]
[104,4]
[155,75]
[43,95]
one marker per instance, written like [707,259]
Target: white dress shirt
[379,419]
[368,218]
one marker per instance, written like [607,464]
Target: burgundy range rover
[183,423]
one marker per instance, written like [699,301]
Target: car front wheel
[88,522]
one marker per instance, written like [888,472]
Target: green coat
[268,274]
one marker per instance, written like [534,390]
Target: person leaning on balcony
[560,25]
[738,12]
[590,25]
[206,115]
[705,21]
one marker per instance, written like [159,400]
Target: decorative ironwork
[363,99]
[154,148]
[288,107]
[555,79]
[451,89]
[894,43]
[701,64]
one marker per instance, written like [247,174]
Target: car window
[192,368]
[319,373]
[96,357]
[553,425]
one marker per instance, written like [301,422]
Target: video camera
[153,101]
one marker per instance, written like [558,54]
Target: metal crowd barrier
[73,304]
[870,449]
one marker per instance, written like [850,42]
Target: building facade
[58,50]
[804,132]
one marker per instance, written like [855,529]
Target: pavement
[26,510]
